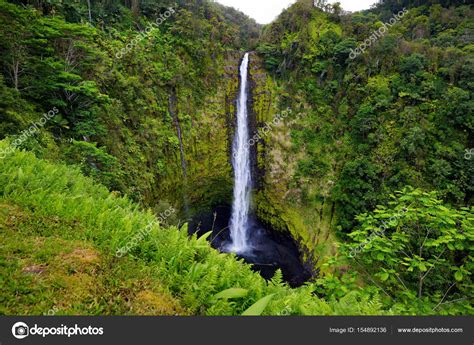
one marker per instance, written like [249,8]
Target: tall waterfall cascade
[241,164]
[241,232]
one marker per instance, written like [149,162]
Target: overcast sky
[264,11]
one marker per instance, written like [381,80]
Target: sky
[264,11]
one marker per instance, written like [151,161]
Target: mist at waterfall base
[269,250]
[240,232]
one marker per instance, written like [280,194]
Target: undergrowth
[51,212]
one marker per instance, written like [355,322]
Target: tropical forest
[175,157]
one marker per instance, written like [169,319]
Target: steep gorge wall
[208,151]
[207,139]
[277,202]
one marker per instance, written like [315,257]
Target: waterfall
[241,165]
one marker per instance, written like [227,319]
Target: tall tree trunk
[172,107]
[135,7]
[173,110]
[16,72]
[89,8]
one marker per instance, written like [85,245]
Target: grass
[45,272]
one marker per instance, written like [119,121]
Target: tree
[418,251]
[14,38]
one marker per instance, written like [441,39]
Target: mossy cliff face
[277,201]
[196,173]
[207,133]
[261,111]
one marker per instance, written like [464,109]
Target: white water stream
[241,164]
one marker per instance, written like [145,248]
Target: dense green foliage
[59,205]
[366,125]
[399,114]
[121,90]
[419,251]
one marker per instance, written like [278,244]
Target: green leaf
[458,276]
[203,238]
[232,293]
[258,307]
[383,276]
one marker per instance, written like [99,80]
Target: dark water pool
[270,249]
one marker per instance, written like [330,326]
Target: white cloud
[265,11]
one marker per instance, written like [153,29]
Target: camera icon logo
[20,330]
